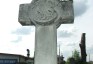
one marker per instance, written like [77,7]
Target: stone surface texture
[46,12]
[46,45]
[47,16]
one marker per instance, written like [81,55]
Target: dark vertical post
[83,48]
[28,53]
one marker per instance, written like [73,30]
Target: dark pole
[83,47]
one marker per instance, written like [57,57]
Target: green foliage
[75,59]
[76,56]
[68,60]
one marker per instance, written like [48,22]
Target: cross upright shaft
[47,16]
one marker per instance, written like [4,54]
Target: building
[60,59]
[14,59]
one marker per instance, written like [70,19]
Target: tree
[75,59]
[70,60]
[76,56]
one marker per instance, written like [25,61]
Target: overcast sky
[15,38]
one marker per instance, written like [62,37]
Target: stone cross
[46,16]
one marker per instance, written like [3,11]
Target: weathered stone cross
[47,16]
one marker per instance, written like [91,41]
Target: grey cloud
[71,44]
[23,31]
[80,8]
[64,33]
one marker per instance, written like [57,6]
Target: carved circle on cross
[43,14]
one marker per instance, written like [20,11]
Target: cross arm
[68,15]
[24,18]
